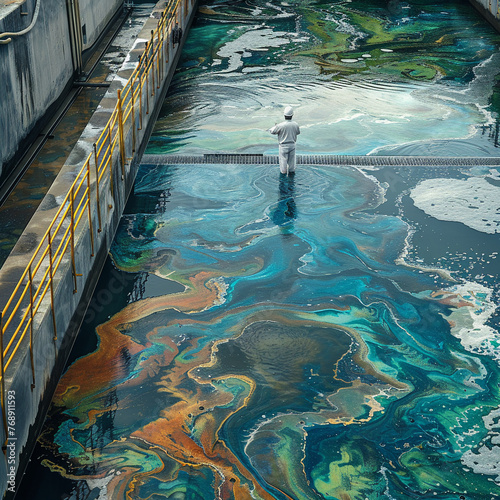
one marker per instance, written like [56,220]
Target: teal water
[364,78]
[264,336]
[329,335]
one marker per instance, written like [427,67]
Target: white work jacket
[287,132]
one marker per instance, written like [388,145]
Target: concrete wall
[95,15]
[490,9]
[489,5]
[37,67]
[31,402]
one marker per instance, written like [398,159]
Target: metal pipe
[24,31]
[71,27]
[75,34]
[78,30]
[86,84]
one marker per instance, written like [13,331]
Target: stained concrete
[37,68]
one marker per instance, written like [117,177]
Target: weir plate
[352,160]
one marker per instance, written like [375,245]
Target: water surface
[411,78]
[330,335]
[264,336]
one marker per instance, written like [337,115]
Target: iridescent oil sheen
[328,335]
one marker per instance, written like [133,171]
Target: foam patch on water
[254,39]
[486,460]
[100,484]
[469,325]
[473,202]
[474,333]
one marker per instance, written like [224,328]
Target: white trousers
[287,158]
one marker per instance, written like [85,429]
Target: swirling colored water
[277,338]
[330,335]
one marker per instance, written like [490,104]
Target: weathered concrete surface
[490,9]
[49,353]
[95,15]
[36,68]
[489,5]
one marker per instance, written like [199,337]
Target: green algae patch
[372,25]
[353,475]
[331,40]
[415,70]
[421,471]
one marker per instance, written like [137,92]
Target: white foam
[101,484]
[253,39]
[469,325]
[487,458]
[471,328]
[473,202]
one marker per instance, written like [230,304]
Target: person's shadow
[285,211]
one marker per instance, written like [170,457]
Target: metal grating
[360,161]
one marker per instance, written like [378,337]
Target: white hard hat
[289,111]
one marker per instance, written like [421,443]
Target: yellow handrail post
[140,95]
[99,229]
[2,395]
[158,58]
[110,164]
[72,236]
[31,330]
[133,117]
[168,41]
[162,45]
[120,131]
[164,48]
[152,45]
[91,227]
[51,278]
[147,76]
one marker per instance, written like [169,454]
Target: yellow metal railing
[57,246]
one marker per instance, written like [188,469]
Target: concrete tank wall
[490,5]
[37,67]
[95,15]
[490,9]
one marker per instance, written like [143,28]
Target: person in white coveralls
[287,132]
